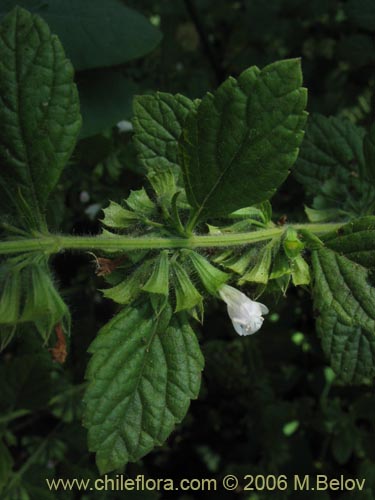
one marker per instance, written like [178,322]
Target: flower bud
[293,246]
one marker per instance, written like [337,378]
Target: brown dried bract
[107,266]
[59,352]
[282,221]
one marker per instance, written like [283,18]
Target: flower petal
[264,309]
[246,314]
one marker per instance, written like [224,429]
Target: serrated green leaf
[110,35]
[164,184]
[345,304]
[39,114]
[259,215]
[141,209]
[140,202]
[355,240]
[238,146]
[331,147]
[331,167]
[158,121]
[143,373]
[118,217]
[350,349]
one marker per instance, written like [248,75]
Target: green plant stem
[192,222]
[50,244]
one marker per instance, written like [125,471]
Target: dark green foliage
[334,171]
[248,129]
[345,304]
[39,117]
[129,412]
[106,98]
[94,33]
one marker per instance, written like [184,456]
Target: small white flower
[84,197]
[124,126]
[246,314]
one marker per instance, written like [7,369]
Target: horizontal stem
[50,244]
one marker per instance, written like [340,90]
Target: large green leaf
[332,147]
[106,98]
[158,122]
[238,146]
[331,167]
[345,304]
[142,375]
[355,240]
[39,114]
[95,33]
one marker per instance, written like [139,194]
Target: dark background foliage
[269,403]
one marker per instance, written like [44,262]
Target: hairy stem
[50,244]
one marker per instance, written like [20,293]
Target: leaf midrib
[238,152]
[19,120]
[139,378]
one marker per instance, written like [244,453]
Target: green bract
[260,272]
[187,296]
[158,281]
[29,296]
[211,277]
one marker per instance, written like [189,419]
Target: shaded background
[268,403]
